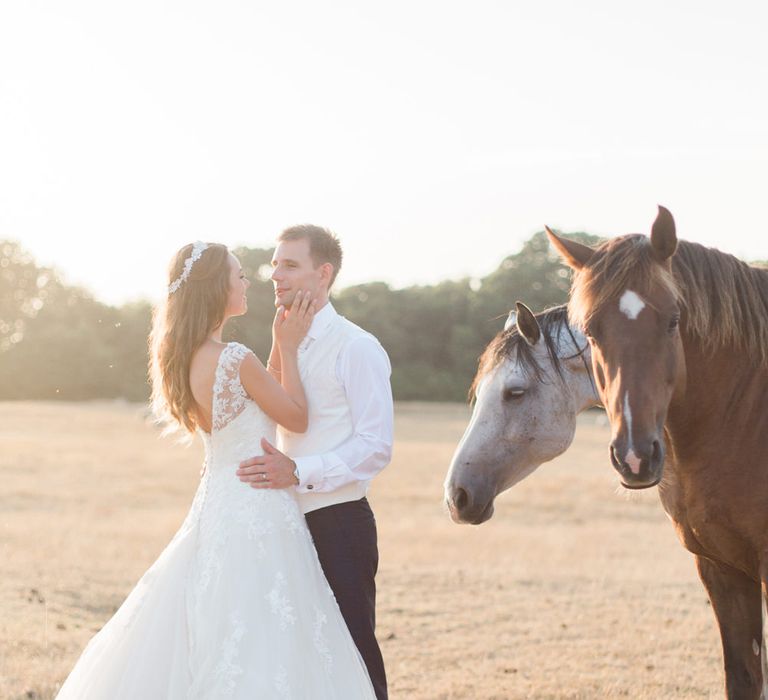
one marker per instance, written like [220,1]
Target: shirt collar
[321,321]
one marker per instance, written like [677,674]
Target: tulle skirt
[236,606]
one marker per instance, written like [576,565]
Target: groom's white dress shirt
[345,373]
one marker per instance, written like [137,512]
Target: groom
[345,372]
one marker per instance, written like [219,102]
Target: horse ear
[575,254]
[663,236]
[511,320]
[527,325]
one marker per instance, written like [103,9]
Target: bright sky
[433,137]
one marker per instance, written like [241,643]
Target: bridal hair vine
[197,250]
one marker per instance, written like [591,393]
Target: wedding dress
[236,606]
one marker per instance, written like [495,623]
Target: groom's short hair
[324,247]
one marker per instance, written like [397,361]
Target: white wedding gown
[236,606]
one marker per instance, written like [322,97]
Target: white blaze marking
[632,459]
[628,418]
[631,304]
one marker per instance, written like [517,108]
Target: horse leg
[737,602]
[764,639]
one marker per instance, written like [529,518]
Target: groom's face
[293,270]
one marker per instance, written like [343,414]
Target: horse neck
[719,391]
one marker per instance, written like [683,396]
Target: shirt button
[310,487]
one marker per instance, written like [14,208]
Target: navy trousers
[345,539]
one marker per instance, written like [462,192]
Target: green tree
[535,276]
[57,341]
[23,292]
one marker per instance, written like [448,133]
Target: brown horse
[679,340]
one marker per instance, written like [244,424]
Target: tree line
[58,342]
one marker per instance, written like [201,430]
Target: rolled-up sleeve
[364,370]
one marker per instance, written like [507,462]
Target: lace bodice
[237,421]
[229,396]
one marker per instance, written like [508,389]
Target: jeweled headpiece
[197,250]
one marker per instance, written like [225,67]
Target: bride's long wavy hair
[181,323]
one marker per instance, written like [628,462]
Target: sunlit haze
[433,137]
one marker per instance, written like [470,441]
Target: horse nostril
[461,499]
[615,458]
[656,456]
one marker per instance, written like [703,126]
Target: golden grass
[570,591]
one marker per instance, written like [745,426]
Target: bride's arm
[284,401]
[286,406]
[274,366]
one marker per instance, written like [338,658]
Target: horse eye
[674,322]
[512,394]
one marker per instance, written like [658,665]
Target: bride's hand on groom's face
[291,325]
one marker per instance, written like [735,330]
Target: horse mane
[508,343]
[724,301]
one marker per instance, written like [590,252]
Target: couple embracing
[267,589]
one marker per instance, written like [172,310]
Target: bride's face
[237,302]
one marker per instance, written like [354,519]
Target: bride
[236,606]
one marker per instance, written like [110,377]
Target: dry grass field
[572,590]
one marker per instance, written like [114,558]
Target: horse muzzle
[465,506]
[639,467]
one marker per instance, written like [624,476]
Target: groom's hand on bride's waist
[272,470]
